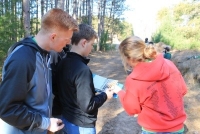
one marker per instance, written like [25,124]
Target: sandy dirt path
[111,117]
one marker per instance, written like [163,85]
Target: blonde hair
[134,48]
[58,19]
[160,47]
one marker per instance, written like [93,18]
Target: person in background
[164,49]
[75,86]
[156,95]
[146,41]
[150,43]
[26,90]
[167,54]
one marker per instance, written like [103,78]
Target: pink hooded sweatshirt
[154,91]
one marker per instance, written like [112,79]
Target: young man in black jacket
[77,94]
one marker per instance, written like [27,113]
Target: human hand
[109,93]
[116,89]
[55,124]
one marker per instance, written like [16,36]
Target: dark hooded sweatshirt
[25,91]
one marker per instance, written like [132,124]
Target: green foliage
[34,23]
[126,30]
[108,47]
[84,19]
[180,27]
[104,45]
[11,27]
[120,28]
[103,41]
[9,32]
[117,27]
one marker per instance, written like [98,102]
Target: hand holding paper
[109,93]
[101,84]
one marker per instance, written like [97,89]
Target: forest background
[177,26]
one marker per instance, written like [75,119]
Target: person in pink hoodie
[154,90]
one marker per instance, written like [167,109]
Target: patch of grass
[106,47]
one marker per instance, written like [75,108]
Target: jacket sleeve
[129,101]
[89,102]
[57,108]
[13,92]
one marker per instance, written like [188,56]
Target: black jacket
[76,91]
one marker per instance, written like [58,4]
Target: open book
[101,83]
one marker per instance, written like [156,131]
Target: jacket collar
[28,41]
[155,70]
[78,57]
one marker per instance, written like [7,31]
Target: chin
[58,50]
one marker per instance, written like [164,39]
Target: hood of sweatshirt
[28,41]
[155,70]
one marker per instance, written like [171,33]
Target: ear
[130,61]
[53,36]
[83,42]
[134,63]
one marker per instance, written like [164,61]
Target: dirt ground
[112,119]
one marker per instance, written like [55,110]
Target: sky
[142,15]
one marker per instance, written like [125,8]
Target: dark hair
[151,43]
[167,49]
[85,32]
[146,40]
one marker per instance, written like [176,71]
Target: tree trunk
[89,13]
[47,3]
[111,19]
[14,19]
[21,19]
[80,11]
[83,9]
[92,8]
[86,7]
[99,25]
[61,4]
[31,17]
[42,7]
[51,3]
[103,16]
[26,17]
[6,7]
[56,3]
[75,11]
[37,16]
[67,6]
[1,7]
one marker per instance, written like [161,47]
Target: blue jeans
[71,128]
[145,132]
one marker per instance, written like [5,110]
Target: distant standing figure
[167,54]
[164,49]
[156,95]
[146,41]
